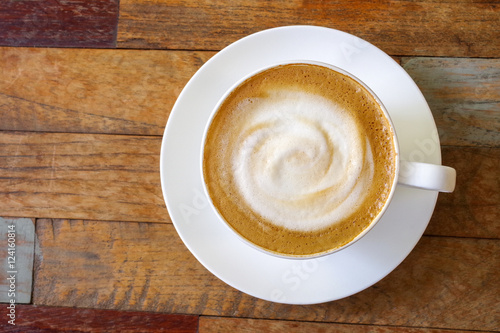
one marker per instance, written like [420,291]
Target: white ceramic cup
[425,176]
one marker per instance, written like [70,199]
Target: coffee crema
[299,159]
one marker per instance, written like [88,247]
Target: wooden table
[86,88]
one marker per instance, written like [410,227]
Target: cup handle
[427,176]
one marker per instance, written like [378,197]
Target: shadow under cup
[300,159]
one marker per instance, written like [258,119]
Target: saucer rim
[170,206]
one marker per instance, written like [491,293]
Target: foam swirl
[302,162]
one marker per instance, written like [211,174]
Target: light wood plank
[32,318]
[430,28]
[103,177]
[464,96]
[116,177]
[17,241]
[92,91]
[222,324]
[132,92]
[75,23]
[450,283]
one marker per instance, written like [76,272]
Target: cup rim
[246,77]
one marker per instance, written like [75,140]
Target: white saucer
[254,272]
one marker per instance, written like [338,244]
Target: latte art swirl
[301,162]
[299,159]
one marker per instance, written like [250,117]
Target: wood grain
[31,318]
[473,209]
[132,92]
[80,136]
[464,96]
[61,23]
[92,91]
[102,177]
[123,266]
[217,324]
[117,178]
[135,266]
[427,28]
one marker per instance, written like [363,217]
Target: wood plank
[32,318]
[92,91]
[102,177]
[64,23]
[122,266]
[224,324]
[115,177]
[473,209]
[449,283]
[132,92]
[464,96]
[427,28]
[17,240]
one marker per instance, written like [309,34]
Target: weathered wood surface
[430,28]
[473,209]
[32,318]
[63,23]
[103,177]
[116,178]
[217,325]
[445,282]
[92,91]
[464,96]
[58,319]
[132,92]
[80,135]
[427,28]
[17,241]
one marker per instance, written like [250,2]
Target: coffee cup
[301,159]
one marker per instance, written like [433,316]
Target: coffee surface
[299,159]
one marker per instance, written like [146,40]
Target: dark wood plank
[32,318]
[116,177]
[92,91]
[427,28]
[224,324]
[63,23]
[464,96]
[449,283]
[473,210]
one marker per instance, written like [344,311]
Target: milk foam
[303,162]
